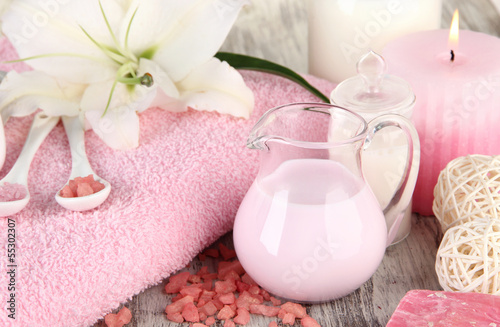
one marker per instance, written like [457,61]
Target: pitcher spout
[257,143]
[287,124]
[265,130]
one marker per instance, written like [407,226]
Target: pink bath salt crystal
[245,300]
[177,297]
[254,290]
[218,304]
[179,305]
[201,303]
[275,301]
[203,271]
[226,252]
[97,186]
[123,317]
[264,310]
[227,298]
[242,316]
[210,321]
[84,189]
[247,279]
[195,279]
[225,286]
[209,309]
[273,324]
[214,253]
[207,285]
[231,275]
[259,297]
[226,313]
[265,295]
[175,317]
[176,282]
[211,276]
[229,323]
[296,309]
[199,325]
[418,308]
[206,295]
[225,266]
[242,286]
[87,179]
[289,319]
[12,192]
[66,192]
[190,313]
[309,322]
[193,290]
[73,186]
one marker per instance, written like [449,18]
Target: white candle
[341,31]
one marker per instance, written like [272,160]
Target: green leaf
[239,61]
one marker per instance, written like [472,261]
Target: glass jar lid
[372,92]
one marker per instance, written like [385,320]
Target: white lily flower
[129,55]
[22,94]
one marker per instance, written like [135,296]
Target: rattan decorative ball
[468,188]
[468,259]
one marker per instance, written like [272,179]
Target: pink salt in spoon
[80,167]
[14,191]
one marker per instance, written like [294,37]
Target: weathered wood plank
[274,30]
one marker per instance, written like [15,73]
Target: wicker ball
[468,259]
[468,188]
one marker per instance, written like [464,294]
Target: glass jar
[373,93]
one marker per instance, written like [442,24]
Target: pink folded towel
[173,196]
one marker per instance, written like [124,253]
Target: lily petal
[119,127]
[22,94]
[38,28]
[136,98]
[181,34]
[216,86]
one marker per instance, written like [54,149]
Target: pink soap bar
[446,309]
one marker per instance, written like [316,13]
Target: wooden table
[407,265]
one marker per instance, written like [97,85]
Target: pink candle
[457,110]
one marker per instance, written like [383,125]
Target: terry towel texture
[171,197]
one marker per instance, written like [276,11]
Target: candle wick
[452,56]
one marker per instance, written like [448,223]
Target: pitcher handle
[395,210]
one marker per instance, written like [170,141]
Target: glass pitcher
[309,228]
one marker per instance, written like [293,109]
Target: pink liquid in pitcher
[311,231]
